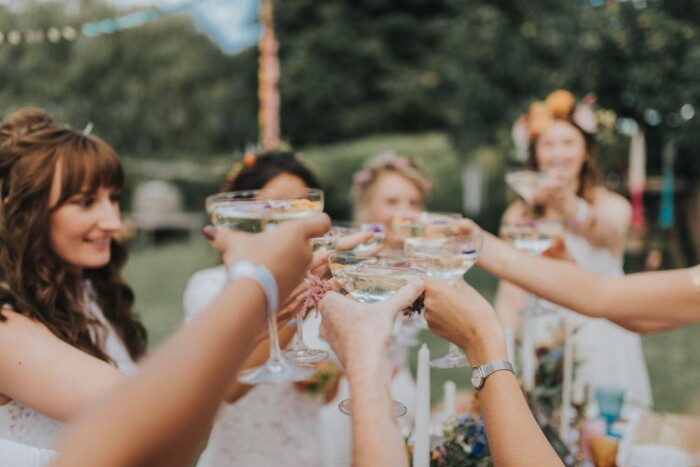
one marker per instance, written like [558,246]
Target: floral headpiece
[409,167]
[248,162]
[559,105]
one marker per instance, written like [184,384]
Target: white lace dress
[606,354]
[26,426]
[272,425]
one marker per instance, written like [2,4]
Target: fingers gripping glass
[372,280]
[252,211]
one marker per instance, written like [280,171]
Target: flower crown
[409,167]
[559,105]
[247,162]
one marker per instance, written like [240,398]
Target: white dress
[605,354]
[272,425]
[275,425]
[20,455]
[21,424]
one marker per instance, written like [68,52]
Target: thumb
[221,238]
[315,226]
[404,297]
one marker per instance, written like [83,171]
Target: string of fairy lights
[69,33]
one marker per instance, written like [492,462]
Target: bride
[559,135]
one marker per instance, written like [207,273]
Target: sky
[229,23]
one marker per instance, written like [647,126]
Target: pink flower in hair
[585,118]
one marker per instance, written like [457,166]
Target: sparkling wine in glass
[246,211]
[525,182]
[450,258]
[252,211]
[372,280]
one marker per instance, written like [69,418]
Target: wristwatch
[480,373]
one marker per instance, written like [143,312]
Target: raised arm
[360,335]
[667,298]
[167,406]
[458,313]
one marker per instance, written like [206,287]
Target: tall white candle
[449,391]
[421,443]
[568,380]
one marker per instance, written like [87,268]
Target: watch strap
[492,367]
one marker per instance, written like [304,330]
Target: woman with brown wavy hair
[67,328]
[560,137]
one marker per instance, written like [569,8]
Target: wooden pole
[268,76]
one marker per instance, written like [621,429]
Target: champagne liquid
[324,243]
[255,217]
[447,261]
[530,240]
[371,284]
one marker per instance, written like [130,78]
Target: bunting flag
[667,187]
[636,177]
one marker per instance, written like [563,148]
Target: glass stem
[453,350]
[299,344]
[275,352]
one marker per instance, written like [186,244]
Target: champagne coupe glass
[534,236]
[450,258]
[372,280]
[525,182]
[248,211]
[300,352]
[413,224]
[610,401]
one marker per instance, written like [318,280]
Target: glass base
[274,372]
[451,360]
[399,409]
[405,340]
[306,355]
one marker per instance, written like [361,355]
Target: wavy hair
[34,281]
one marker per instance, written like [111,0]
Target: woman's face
[284,185]
[392,194]
[81,230]
[561,151]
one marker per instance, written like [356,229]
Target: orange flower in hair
[560,103]
[249,160]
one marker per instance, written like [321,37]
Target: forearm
[514,437]
[175,395]
[667,295]
[376,437]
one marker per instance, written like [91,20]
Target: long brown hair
[589,176]
[34,281]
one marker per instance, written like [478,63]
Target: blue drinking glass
[610,400]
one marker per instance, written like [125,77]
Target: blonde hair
[387,162]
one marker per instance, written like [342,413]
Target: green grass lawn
[158,275]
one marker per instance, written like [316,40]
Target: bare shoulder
[611,202]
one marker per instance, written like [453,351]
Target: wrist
[261,276]
[485,347]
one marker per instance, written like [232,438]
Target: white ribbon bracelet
[259,274]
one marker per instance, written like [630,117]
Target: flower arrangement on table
[465,444]
[549,377]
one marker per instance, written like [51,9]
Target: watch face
[477,379]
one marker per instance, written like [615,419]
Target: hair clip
[88,129]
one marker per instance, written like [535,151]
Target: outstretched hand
[458,313]
[284,250]
[356,330]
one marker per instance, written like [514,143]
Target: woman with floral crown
[559,136]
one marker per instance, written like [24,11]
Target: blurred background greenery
[438,79]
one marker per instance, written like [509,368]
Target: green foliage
[157,89]
[336,163]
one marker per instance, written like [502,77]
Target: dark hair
[34,281]
[259,169]
[589,175]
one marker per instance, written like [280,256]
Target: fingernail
[209,232]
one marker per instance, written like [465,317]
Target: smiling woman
[66,319]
